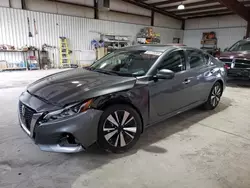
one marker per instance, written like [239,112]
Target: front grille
[242,64]
[26,114]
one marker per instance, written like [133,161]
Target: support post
[23,4]
[183,25]
[152,18]
[248,30]
[96,14]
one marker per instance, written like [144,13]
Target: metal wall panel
[226,36]
[4,3]
[128,7]
[14,31]
[15,4]
[166,21]
[215,22]
[123,17]
[229,29]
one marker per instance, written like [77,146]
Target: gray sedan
[115,99]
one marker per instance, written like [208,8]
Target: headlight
[68,111]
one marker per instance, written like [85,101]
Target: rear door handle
[186,81]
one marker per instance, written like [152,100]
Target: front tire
[119,128]
[214,97]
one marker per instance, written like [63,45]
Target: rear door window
[196,58]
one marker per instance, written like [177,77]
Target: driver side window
[174,62]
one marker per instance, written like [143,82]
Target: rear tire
[119,128]
[214,97]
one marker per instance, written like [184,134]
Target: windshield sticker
[153,53]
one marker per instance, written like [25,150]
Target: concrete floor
[195,149]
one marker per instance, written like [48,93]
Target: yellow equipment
[64,53]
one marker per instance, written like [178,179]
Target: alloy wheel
[216,95]
[120,128]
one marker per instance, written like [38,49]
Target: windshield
[127,63]
[240,46]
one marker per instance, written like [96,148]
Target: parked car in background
[237,59]
[115,99]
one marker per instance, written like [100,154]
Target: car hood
[77,85]
[232,55]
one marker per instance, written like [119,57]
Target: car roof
[149,47]
[176,44]
[156,47]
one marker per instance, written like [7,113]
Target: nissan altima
[112,101]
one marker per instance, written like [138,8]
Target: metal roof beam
[165,2]
[197,9]
[237,8]
[211,15]
[192,4]
[150,7]
[205,13]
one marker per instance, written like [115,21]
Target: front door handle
[186,81]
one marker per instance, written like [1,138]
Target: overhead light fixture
[181,7]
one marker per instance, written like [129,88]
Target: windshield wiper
[105,72]
[98,70]
[109,72]
[88,68]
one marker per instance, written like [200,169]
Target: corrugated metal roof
[193,8]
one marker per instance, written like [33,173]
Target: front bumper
[51,136]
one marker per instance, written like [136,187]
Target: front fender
[138,98]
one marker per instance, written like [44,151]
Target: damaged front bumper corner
[52,136]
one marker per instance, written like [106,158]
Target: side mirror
[165,74]
[226,49]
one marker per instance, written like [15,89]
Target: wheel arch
[222,84]
[110,101]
